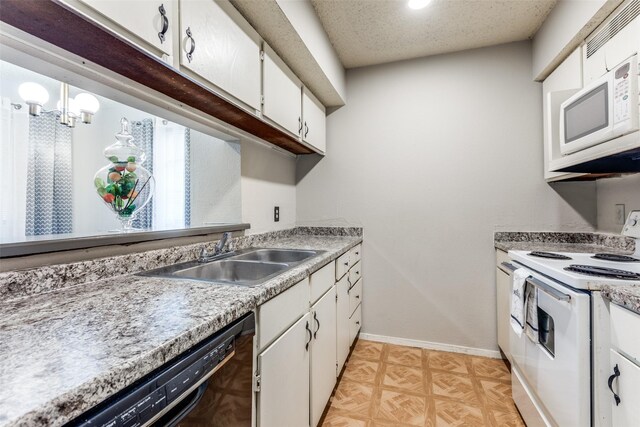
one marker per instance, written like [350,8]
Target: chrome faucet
[218,249]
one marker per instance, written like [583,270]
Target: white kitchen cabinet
[355,324]
[314,121]
[625,383]
[288,357]
[563,82]
[282,94]
[503,302]
[150,24]
[342,323]
[323,353]
[355,273]
[342,265]
[355,296]
[321,281]
[219,46]
[277,314]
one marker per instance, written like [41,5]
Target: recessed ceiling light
[418,4]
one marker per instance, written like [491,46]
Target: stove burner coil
[615,258]
[549,255]
[611,273]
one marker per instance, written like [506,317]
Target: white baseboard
[495,354]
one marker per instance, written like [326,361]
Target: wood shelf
[61,27]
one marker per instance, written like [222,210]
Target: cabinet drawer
[625,325]
[355,296]
[501,256]
[354,324]
[277,314]
[321,281]
[342,265]
[355,273]
[627,387]
[355,254]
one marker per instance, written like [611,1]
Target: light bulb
[33,93]
[418,4]
[87,103]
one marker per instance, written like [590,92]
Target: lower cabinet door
[625,382]
[342,322]
[354,324]
[323,353]
[283,399]
[503,310]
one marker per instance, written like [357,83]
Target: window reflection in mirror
[47,167]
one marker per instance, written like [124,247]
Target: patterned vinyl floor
[390,385]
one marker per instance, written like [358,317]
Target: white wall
[268,180]
[612,191]
[565,28]
[432,156]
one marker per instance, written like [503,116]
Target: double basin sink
[249,267]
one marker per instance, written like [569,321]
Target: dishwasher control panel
[155,395]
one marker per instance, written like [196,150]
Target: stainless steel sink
[247,273]
[277,255]
[249,267]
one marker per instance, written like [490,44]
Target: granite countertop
[626,296]
[68,349]
[577,242]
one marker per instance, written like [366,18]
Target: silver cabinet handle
[193,44]
[541,285]
[306,129]
[299,125]
[165,23]
[358,296]
[509,266]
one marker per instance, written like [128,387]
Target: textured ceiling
[367,32]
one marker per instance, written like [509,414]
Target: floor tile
[336,418]
[367,350]
[404,377]
[449,362]
[408,356]
[497,395]
[457,414]
[454,386]
[387,385]
[353,397]
[490,368]
[402,407]
[361,370]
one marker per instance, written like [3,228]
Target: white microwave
[605,109]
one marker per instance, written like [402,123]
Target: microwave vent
[613,27]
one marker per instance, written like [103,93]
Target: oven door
[557,368]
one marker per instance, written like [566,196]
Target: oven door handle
[541,285]
[552,292]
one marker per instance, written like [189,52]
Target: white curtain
[169,172]
[14,143]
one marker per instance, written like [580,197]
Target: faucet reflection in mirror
[83,106]
[124,185]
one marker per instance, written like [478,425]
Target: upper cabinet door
[313,112]
[152,21]
[282,93]
[218,45]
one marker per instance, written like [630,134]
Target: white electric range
[561,380]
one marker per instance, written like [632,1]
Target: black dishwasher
[209,385]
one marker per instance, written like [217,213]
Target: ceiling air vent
[613,27]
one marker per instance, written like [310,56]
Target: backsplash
[613,241]
[20,283]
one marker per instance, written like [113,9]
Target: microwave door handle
[552,292]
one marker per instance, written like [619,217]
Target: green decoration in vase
[124,185]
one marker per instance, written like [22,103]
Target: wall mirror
[49,162]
